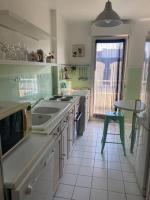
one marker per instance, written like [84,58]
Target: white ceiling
[89,9]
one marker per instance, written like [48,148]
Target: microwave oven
[15,124]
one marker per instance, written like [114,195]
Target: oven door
[77,124]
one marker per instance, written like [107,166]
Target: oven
[78,115]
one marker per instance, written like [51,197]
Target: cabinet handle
[55,134]
[28,190]
[63,154]
[70,140]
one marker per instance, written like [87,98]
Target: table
[134,106]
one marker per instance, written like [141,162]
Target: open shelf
[25,63]
[15,23]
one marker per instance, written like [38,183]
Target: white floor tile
[113,158]
[76,161]
[109,169]
[72,169]
[84,181]
[98,172]
[89,155]
[99,156]
[77,154]
[129,177]
[81,193]
[132,197]
[99,183]
[90,149]
[64,191]
[126,167]
[114,165]
[116,196]
[68,179]
[87,171]
[87,162]
[98,194]
[114,174]
[100,164]
[132,188]
[115,186]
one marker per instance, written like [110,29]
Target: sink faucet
[34,104]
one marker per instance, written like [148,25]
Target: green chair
[115,117]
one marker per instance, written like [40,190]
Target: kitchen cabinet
[56,170]
[26,63]
[60,133]
[71,128]
[38,183]
[64,143]
[87,109]
[14,22]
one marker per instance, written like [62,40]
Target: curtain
[108,74]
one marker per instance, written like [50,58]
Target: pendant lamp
[107,18]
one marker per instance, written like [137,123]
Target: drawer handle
[63,154]
[29,189]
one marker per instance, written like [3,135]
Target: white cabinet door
[71,129]
[56,171]
[65,145]
[39,188]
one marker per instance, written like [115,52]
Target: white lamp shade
[108,18]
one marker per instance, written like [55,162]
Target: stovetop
[61,98]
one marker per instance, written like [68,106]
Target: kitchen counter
[80,92]
[65,106]
[18,163]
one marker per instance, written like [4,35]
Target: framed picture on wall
[78,50]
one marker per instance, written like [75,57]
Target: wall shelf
[26,63]
[15,23]
[75,65]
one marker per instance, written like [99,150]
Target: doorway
[109,74]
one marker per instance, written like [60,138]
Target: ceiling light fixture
[107,18]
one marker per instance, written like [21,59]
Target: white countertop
[80,92]
[47,127]
[18,163]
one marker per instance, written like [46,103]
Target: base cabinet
[56,170]
[42,180]
[39,184]
[71,129]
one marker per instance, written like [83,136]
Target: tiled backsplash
[25,83]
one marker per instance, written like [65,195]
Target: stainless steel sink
[46,110]
[38,119]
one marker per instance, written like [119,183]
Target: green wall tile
[26,83]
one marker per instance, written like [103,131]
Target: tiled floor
[89,175]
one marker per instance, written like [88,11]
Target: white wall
[37,12]
[78,33]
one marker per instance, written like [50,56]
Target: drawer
[24,190]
